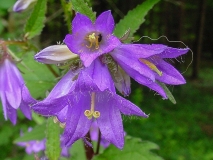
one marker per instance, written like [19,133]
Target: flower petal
[110,121]
[170,74]
[64,86]
[100,75]
[13,82]
[77,124]
[126,107]
[105,23]
[131,65]
[55,54]
[85,83]
[142,50]
[50,108]
[62,115]
[26,97]
[11,113]
[81,21]
[173,52]
[38,146]
[26,110]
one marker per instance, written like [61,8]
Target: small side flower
[21,5]
[12,88]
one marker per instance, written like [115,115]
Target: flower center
[92,113]
[94,40]
[151,66]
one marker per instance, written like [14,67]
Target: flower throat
[94,40]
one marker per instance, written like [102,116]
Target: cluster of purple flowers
[87,93]
[99,64]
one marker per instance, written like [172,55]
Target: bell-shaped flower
[146,64]
[90,40]
[21,5]
[33,146]
[12,90]
[91,101]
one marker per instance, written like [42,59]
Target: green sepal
[168,93]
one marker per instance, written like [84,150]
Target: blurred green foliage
[183,131]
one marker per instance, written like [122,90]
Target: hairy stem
[99,141]
[88,149]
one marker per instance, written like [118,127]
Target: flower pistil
[92,113]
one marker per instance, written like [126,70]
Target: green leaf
[36,74]
[134,18]
[53,148]
[82,7]
[67,7]
[168,93]
[35,23]
[134,148]
[38,133]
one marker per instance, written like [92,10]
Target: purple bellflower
[91,98]
[35,146]
[90,40]
[12,88]
[144,63]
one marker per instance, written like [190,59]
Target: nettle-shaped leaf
[134,148]
[36,74]
[82,7]
[134,18]
[35,22]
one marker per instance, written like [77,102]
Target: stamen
[151,66]
[62,125]
[93,40]
[92,113]
[55,120]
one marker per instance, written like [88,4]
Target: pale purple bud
[21,5]
[55,54]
